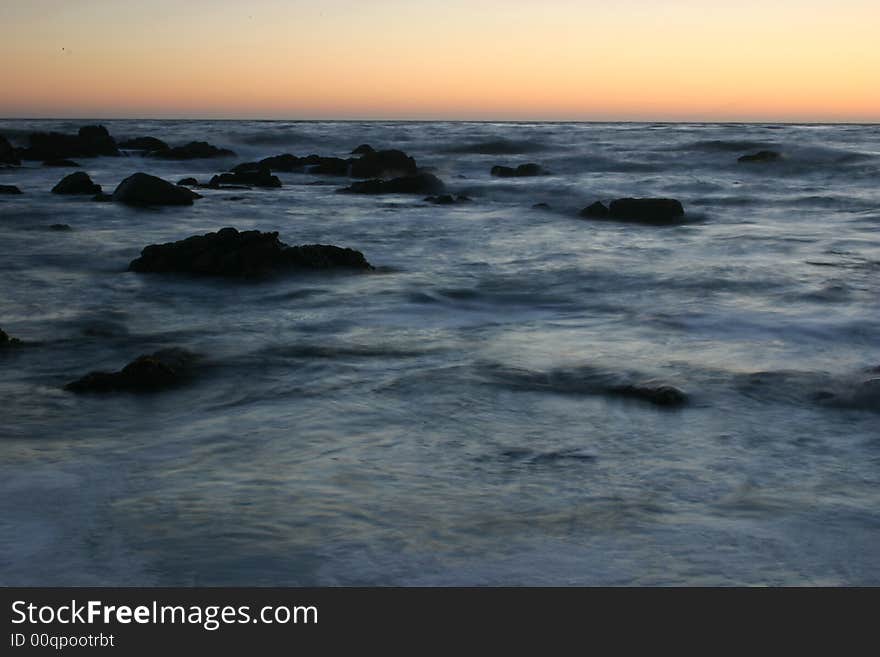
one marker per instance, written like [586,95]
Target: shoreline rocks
[141,189]
[651,211]
[146,144]
[252,174]
[76,183]
[194,150]
[90,141]
[383,164]
[164,369]
[6,341]
[230,253]
[522,171]
[420,183]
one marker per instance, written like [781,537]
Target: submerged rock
[257,177]
[9,189]
[522,171]
[761,156]
[655,211]
[147,144]
[6,341]
[101,197]
[446,199]
[660,394]
[60,227]
[421,183]
[142,189]
[595,210]
[164,369]
[192,151]
[61,163]
[383,164]
[229,252]
[76,183]
[7,153]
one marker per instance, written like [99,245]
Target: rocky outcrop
[7,153]
[146,144]
[192,151]
[328,166]
[91,141]
[142,189]
[252,253]
[761,156]
[383,164]
[257,176]
[596,210]
[522,171]
[9,189]
[421,183]
[654,211]
[76,183]
[7,342]
[363,149]
[164,369]
[286,162]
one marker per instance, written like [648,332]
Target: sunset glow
[778,60]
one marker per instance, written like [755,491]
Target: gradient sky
[777,60]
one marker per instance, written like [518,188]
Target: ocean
[454,417]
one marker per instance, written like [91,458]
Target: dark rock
[329,166]
[656,211]
[596,210]
[229,252]
[102,197]
[91,141]
[260,177]
[421,183]
[6,341]
[9,189]
[192,151]
[363,149]
[7,153]
[383,164]
[148,144]
[164,369]
[61,163]
[60,227]
[659,394]
[761,156]
[522,171]
[143,189]
[286,162]
[76,183]
[188,182]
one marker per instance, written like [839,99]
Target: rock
[363,149]
[383,164]
[9,189]
[229,252]
[261,177]
[192,151]
[522,171]
[102,197]
[188,182]
[76,183]
[657,393]
[91,141]
[6,341]
[286,162]
[164,369]
[328,166]
[60,227]
[655,211]
[421,183]
[143,189]
[596,210]
[761,156]
[148,144]
[61,163]
[446,199]
[7,153]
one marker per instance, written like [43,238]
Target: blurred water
[438,422]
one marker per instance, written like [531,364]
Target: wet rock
[286,162]
[7,153]
[188,182]
[328,166]
[76,183]
[659,394]
[142,189]
[61,163]
[6,341]
[522,171]
[9,189]
[252,253]
[596,210]
[91,141]
[147,144]
[421,183]
[193,151]
[164,369]
[761,156]
[383,164]
[363,149]
[259,177]
[654,211]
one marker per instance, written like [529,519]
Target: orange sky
[780,60]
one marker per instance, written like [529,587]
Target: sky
[687,60]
